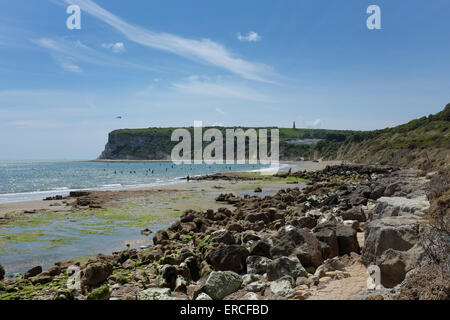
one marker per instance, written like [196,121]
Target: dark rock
[355,213]
[95,273]
[222,236]
[377,192]
[347,240]
[258,189]
[304,222]
[257,264]
[229,258]
[285,266]
[54,271]
[261,248]
[33,272]
[327,236]
[42,278]
[160,237]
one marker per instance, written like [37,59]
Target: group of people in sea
[152,171]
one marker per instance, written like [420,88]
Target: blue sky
[252,63]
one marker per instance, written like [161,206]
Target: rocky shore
[310,243]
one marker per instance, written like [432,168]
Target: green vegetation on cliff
[423,142]
[420,142]
[156,144]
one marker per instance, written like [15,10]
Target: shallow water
[24,247]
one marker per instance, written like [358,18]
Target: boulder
[229,258]
[257,264]
[347,240]
[222,283]
[328,240]
[310,252]
[304,222]
[222,236]
[398,233]
[399,206]
[33,272]
[261,248]
[288,239]
[129,264]
[285,266]
[95,273]
[41,278]
[355,213]
[54,271]
[282,288]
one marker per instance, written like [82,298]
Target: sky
[159,63]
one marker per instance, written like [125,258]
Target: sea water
[36,180]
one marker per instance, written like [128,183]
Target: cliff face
[156,144]
[422,143]
[124,145]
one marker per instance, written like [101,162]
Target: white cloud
[218,110]
[34,124]
[202,86]
[316,124]
[117,47]
[251,36]
[204,50]
[69,53]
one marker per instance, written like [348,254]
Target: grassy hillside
[423,142]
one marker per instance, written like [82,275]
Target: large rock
[222,236]
[229,258]
[257,264]
[394,265]
[261,248]
[398,233]
[222,283]
[285,266]
[95,273]
[282,288]
[329,244]
[347,240]
[301,242]
[33,272]
[355,213]
[399,206]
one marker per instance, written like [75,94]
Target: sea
[36,180]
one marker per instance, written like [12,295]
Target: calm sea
[35,180]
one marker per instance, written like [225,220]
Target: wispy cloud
[204,50]
[220,111]
[219,88]
[251,36]
[32,124]
[69,54]
[117,47]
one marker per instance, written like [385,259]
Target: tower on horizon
[293,127]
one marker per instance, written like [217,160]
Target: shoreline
[254,230]
[294,165]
